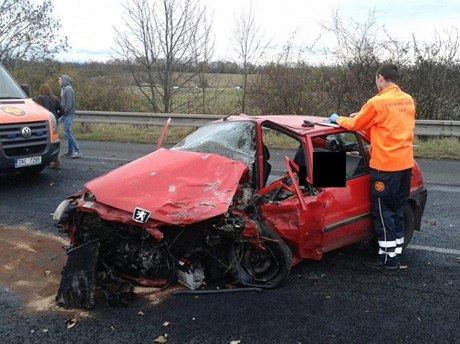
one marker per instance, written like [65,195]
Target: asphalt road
[335,300]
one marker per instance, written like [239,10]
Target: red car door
[347,210]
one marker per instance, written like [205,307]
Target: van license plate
[30,161]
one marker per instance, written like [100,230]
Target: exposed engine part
[129,250]
[118,291]
[128,253]
[190,275]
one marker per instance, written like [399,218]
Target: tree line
[165,63]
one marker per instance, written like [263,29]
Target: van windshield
[9,89]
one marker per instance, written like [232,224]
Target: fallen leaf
[45,330]
[160,340]
[166,324]
[71,323]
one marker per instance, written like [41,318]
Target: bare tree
[163,42]
[434,75]
[360,48]
[250,45]
[203,57]
[28,31]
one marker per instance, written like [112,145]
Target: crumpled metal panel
[301,229]
[177,187]
[78,283]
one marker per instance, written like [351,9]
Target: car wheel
[409,227]
[265,268]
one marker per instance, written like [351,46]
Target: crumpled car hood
[177,187]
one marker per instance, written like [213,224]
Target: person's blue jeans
[67,122]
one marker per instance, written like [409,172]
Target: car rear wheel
[265,267]
[409,225]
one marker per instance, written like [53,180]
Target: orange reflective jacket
[390,116]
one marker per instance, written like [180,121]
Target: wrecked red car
[221,203]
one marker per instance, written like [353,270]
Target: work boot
[377,264]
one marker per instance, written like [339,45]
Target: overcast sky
[89,24]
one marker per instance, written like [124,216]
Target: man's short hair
[389,72]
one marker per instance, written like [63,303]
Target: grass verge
[437,148]
[429,148]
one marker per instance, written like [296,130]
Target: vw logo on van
[26,132]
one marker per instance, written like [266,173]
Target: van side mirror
[26,90]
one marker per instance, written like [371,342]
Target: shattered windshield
[233,140]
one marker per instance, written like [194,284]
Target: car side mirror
[26,90]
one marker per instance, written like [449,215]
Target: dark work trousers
[390,193]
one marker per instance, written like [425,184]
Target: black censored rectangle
[329,169]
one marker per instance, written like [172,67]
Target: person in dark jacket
[68,104]
[48,100]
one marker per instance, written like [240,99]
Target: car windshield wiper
[11,97]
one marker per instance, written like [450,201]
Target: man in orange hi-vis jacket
[390,118]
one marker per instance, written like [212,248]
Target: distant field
[221,96]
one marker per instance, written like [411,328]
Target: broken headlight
[60,210]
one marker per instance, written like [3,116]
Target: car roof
[293,123]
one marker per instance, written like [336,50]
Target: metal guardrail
[144,118]
[426,127]
[422,127]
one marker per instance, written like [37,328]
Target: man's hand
[333,118]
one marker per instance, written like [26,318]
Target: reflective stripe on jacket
[390,116]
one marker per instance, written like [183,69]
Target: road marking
[434,249]
[442,187]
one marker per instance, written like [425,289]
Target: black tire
[266,268]
[409,227]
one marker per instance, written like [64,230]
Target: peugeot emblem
[26,132]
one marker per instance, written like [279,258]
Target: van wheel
[265,268]
[409,227]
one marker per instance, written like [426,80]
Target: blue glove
[333,118]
